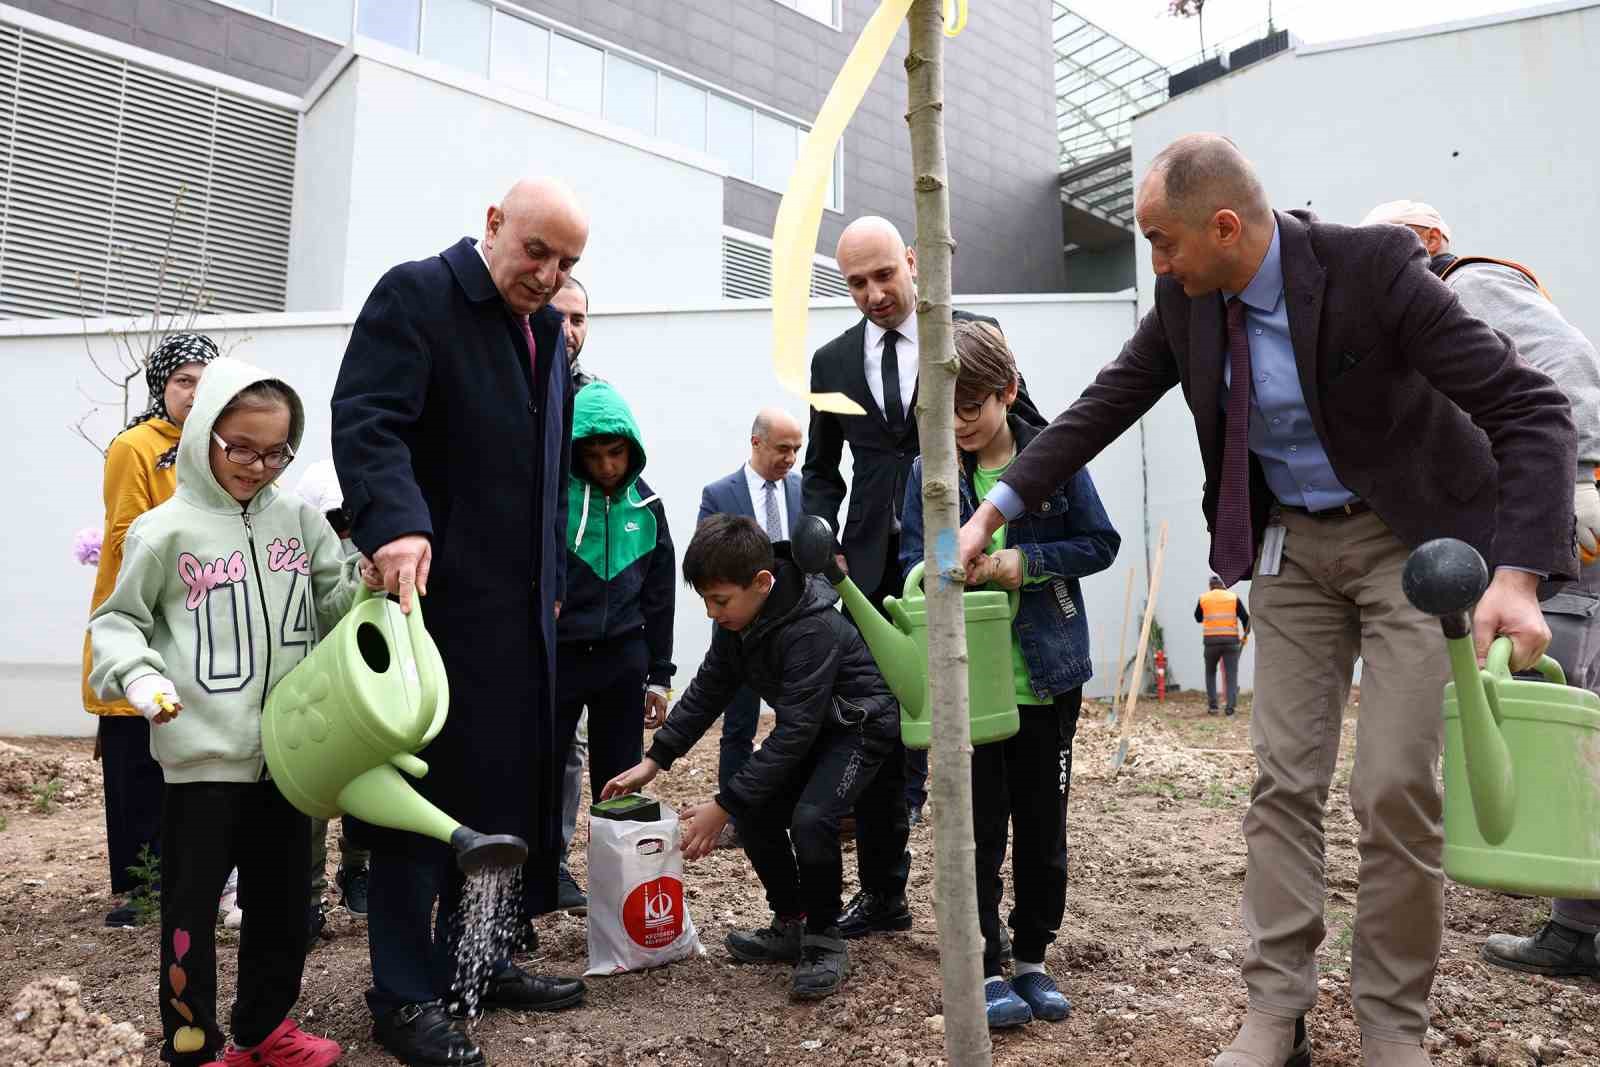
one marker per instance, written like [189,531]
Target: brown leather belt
[1355,507]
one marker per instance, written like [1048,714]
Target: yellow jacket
[133,486]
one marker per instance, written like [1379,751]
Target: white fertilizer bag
[637,915]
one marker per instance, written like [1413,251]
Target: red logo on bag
[653,912]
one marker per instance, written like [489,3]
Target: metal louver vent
[93,151]
[747,272]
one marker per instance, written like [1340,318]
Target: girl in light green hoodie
[223,590]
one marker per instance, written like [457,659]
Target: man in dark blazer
[1378,415]
[765,488]
[450,419]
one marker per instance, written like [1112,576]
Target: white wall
[400,158]
[1491,122]
[694,377]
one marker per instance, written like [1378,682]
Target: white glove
[1586,507]
[142,693]
[659,690]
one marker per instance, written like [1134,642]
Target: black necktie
[893,410]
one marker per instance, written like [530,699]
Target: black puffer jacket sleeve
[708,696]
[811,660]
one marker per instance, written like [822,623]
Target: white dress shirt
[905,352]
[758,502]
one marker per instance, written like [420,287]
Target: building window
[456,33]
[577,74]
[325,18]
[586,76]
[683,114]
[519,53]
[824,11]
[630,95]
[394,22]
[730,137]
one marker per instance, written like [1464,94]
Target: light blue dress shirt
[1281,433]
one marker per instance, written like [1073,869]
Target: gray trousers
[572,787]
[1226,653]
[1574,618]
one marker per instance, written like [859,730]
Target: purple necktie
[533,347]
[1233,543]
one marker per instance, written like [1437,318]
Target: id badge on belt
[1271,550]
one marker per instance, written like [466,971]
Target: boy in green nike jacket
[614,636]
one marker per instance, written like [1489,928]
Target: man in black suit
[1346,408]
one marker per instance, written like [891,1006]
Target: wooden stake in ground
[1137,681]
[966,1030]
[1122,648]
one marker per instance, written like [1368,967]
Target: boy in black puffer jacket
[777,632]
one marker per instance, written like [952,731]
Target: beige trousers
[1338,597]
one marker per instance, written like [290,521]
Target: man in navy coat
[450,437]
[769,475]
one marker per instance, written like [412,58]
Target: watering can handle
[914,585]
[1498,663]
[427,680]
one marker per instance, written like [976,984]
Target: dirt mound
[47,1025]
[28,769]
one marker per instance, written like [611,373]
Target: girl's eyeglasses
[969,410]
[276,458]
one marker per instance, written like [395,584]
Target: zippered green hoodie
[221,598]
[620,571]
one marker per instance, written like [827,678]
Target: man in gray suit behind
[765,488]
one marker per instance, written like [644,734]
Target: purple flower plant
[86,546]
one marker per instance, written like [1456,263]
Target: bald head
[879,269]
[775,440]
[532,239]
[1205,215]
[1200,174]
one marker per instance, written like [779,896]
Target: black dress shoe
[515,988]
[1555,950]
[425,1035]
[870,913]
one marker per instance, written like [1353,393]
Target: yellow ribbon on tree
[794,234]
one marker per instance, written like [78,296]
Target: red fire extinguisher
[1161,674]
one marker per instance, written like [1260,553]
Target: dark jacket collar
[794,593]
[467,265]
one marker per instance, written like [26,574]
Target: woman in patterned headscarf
[139,474]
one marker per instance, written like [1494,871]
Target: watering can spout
[898,656]
[1445,578]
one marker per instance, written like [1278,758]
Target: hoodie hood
[225,379]
[598,410]
[794,594]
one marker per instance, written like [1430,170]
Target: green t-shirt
[984,480]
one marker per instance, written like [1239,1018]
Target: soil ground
[1149,952]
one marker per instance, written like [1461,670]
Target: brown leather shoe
[1267,1041]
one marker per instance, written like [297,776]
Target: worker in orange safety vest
[1226,625]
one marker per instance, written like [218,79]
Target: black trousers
[607,677]
[793,839]
[209,828]
[1024,781]
[412,946]
[133,788]
[915,759]
[1228,656]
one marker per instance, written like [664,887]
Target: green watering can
[900,646]
[1521,757]
[338,726]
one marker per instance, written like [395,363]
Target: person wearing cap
[319,487]
[1508,296]
[1224,622]
[1346,409]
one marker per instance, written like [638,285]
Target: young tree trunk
[966,1031]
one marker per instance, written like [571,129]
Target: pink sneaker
[287,1046]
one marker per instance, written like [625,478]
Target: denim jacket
[1065,538]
